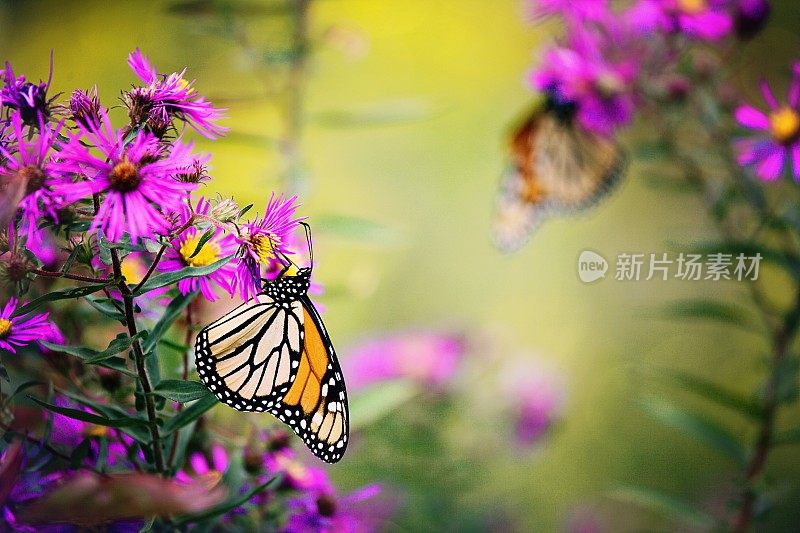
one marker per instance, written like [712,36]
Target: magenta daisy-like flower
[181,254]
[594,71]
[28,164]
[777,136]
[168,96]
[18,331]
[708,20]
[30,99]
[136,180]
[262,241]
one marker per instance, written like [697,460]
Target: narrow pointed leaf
[699,427]
[181,391]
[168,278]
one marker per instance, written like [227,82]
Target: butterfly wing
[249,357]
[521,203]
[315,406]
[556,168]
[576,168]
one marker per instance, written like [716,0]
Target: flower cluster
[777,132]
[114,207]
[609,60]
[132,184]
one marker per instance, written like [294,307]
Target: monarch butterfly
[556,167]
[272,354]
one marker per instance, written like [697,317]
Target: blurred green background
[406,106]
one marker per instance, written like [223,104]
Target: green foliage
[709,309]
[171,314]
[716,393]
[669,506]
[699,427]
[181,391]
[168,278]
[61,294]
[190,414]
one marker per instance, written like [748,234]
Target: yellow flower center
[784,125]
[96,431]
[207,255]
[132,270]
[5,328]
[125,176]
[264,246]
[692,7]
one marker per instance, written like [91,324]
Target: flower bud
[750,17]
[85,107]
[224,210]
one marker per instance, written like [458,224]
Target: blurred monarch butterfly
[556,168]
[272,354]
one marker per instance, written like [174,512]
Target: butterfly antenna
[307,228]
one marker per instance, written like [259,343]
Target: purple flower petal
[750,117]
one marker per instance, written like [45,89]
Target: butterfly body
[273,354]
[556,168]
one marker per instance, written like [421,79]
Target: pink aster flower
[777,136]
[430,358]
[262,241]
[320,509]
[169,96]
[537,398]
[594,70]
[179,255]
[136,179]
[201,465]
[708,20]
[18,331]
[29,164]
[29,99]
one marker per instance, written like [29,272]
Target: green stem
[141,368]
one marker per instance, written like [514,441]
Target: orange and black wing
[555,168]
[315,406]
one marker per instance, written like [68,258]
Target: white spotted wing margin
[249,357]
[328,424]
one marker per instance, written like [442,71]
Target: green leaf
[701,428]
[190,414]
[774,256]
[121,343]
[789,436]
[63,294]
[377,401]
[718,394]
[123,247]
[168,278]
[98,420]
[171,313]
[203,240]
[232,503]
[181,391]
[356,228]
[244,210]
[22,388]
[708,309]
[106,307]
[672,507]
